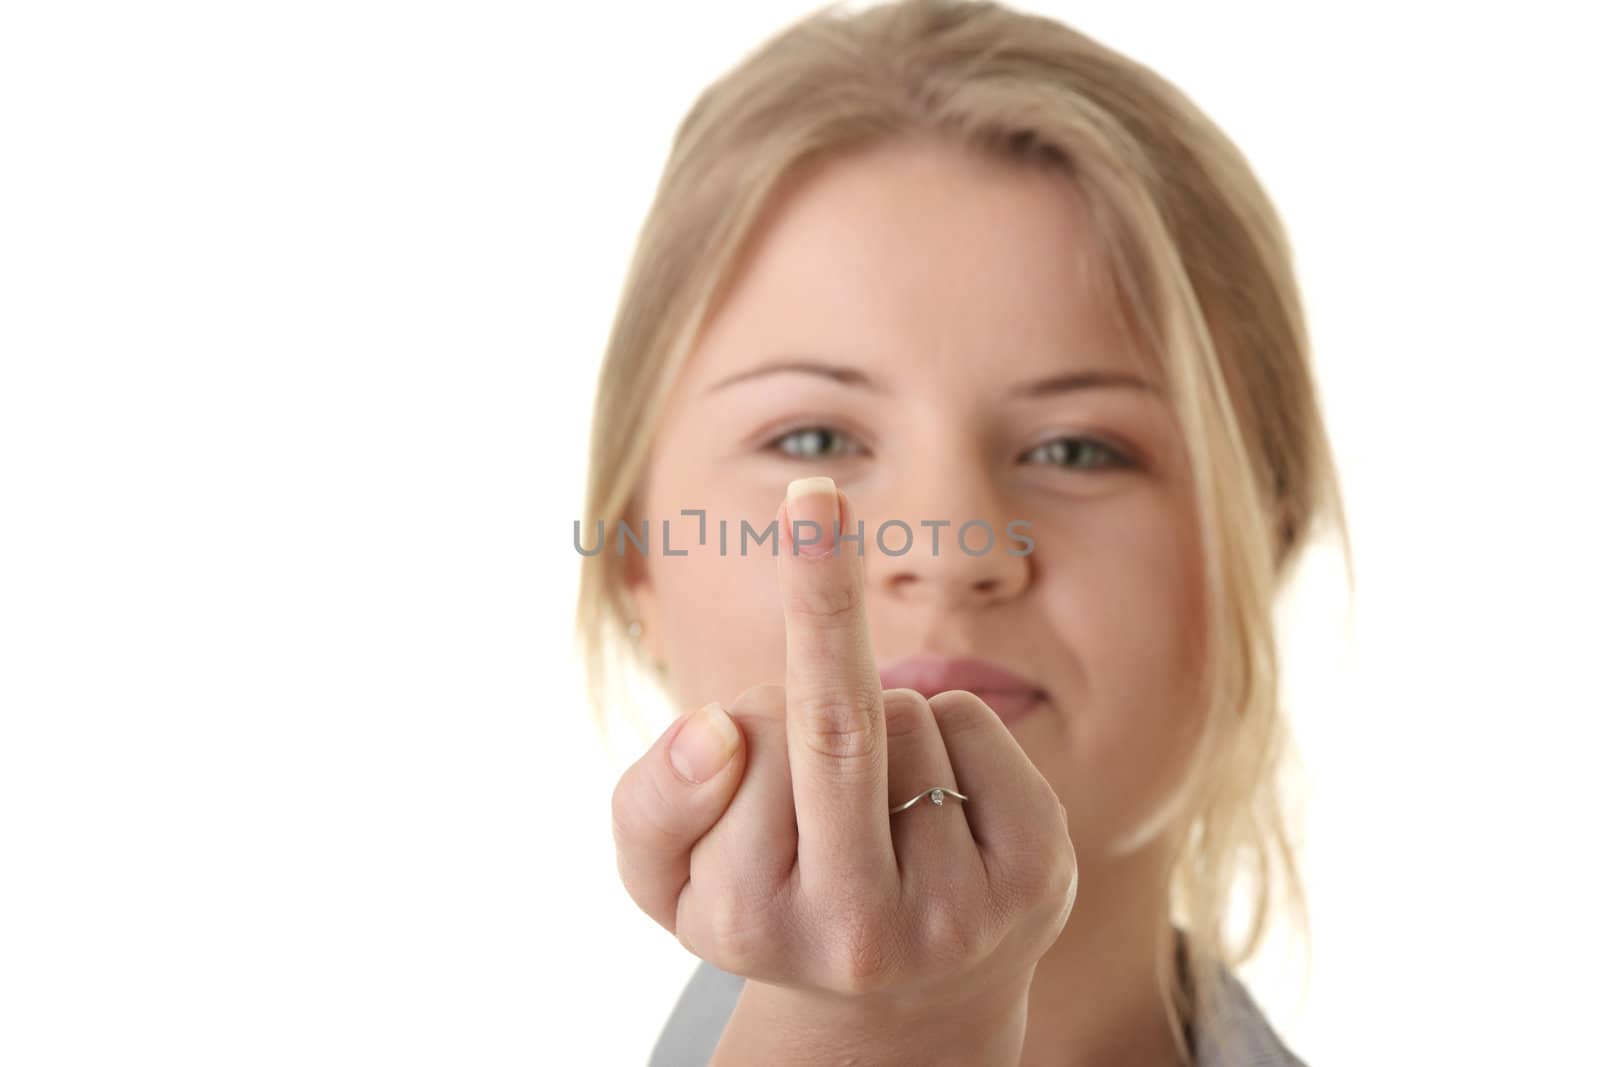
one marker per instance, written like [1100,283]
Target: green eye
[1077,453]
[813,442]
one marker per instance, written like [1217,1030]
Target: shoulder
[695,1026]
[1235,1033]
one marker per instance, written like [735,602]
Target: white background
[301,306]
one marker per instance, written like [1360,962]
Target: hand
[784,865]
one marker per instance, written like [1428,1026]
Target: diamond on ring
[937,794]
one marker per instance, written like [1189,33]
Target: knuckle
[859,947]
[953,935]
[842,726]
[865,957]
[1049,874]
[685,921]
[624,809]
[1069,895]
[619,810]
[1066,886]
[958,710]
[826,604]
[1058,892]
[1025,880]
[642,815]
[1044,879]
[764,701]
[738,933]
[905,713]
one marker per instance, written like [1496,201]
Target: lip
[1010,695]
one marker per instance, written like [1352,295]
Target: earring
[636,631]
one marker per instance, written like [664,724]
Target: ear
[641,591]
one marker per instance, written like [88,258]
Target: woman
[926,271]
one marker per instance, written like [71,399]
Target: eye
[814,442]
[1077,453]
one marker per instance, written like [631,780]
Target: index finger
[838,754]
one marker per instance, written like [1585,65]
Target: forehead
[920,256]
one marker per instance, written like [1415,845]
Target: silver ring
[936,794]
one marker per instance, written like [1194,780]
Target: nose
[943,537]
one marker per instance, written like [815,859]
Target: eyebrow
[832,371]
[1054,385]
[1088,379]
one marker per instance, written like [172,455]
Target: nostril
[901,581]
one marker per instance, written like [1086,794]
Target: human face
[941,287]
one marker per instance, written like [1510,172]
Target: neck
[1095,997]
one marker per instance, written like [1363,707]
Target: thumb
[668,800]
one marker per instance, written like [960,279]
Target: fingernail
[813,502]
[704,744]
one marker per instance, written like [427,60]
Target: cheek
[1127,601]
[724,624]
[1128,593]
[719,618]
[1152,643]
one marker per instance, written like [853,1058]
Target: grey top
[1239,1037]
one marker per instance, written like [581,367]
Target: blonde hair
[1203,278]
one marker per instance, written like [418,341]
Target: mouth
[1011,695]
